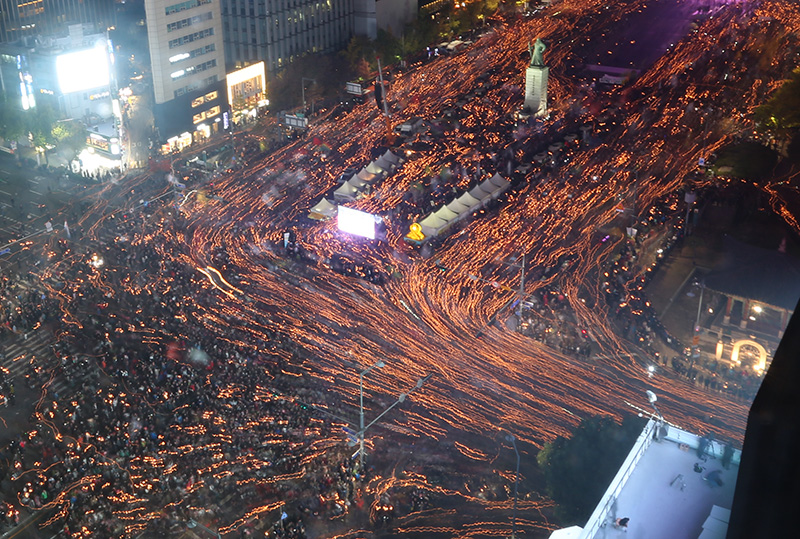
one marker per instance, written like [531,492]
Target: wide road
[486,380]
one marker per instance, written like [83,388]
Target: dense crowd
[170,426]
[169,422]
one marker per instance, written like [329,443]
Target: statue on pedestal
[536,51]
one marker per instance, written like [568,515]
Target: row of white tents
[357,186]
[439,221]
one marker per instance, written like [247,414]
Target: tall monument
[536,82]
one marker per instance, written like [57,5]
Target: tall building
[73,75]
[673,483]
[393,15]
[188,68]
[20,18]
[279,31]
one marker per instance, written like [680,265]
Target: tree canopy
[748,160]
[782,111]
[579,469]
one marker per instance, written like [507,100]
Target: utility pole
[521,297]
[303,86]
[386,115]
[511,438]
[696,329]
[361,429]
[383,89]
[399,400]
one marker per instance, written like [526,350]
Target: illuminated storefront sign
[247,85]
[98,141]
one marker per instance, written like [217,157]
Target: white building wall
[160,38]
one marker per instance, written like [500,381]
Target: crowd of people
[167,420]
[169,425]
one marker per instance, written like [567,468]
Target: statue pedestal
[536,90]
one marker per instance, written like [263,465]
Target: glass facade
[19,18]
[279,31]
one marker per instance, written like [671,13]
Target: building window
[183,6]
[181,73]
[183,23]
[191,37]
[191,54]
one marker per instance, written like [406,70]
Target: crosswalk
[35,349]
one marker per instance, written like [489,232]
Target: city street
[217,361]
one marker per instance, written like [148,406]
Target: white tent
[324,209]
[432,225]
[346,192]
[458,207]
[470,201]
[499,181]
[392,158]
[358,183]
[479,193]
[495,185]
[382,165]
[372,168]
[446,214]
[366,175]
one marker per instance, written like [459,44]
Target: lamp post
[303,84]
[510,437]
[399,400]
[651,397]
[696,329]
[377,364]
[521,265]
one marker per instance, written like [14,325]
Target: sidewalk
[669,288]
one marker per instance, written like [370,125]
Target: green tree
[386,46]
[781,113]
[358,49]
[71,134]
[578,470]
[39,123]
[12,122]
[749,160]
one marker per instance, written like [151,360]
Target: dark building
[20,18]
[768,487]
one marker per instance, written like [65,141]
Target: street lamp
[399,400]
[651,397]
[521,265]
[510,437]
[696,330]
[303,84]
[379,364]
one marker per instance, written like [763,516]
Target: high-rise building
[20,18]
[188,68]
[279,31]
[71,74]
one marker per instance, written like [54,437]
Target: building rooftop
[666,490]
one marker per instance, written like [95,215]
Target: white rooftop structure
[666,490]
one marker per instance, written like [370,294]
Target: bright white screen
[82,70]
[356,222]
